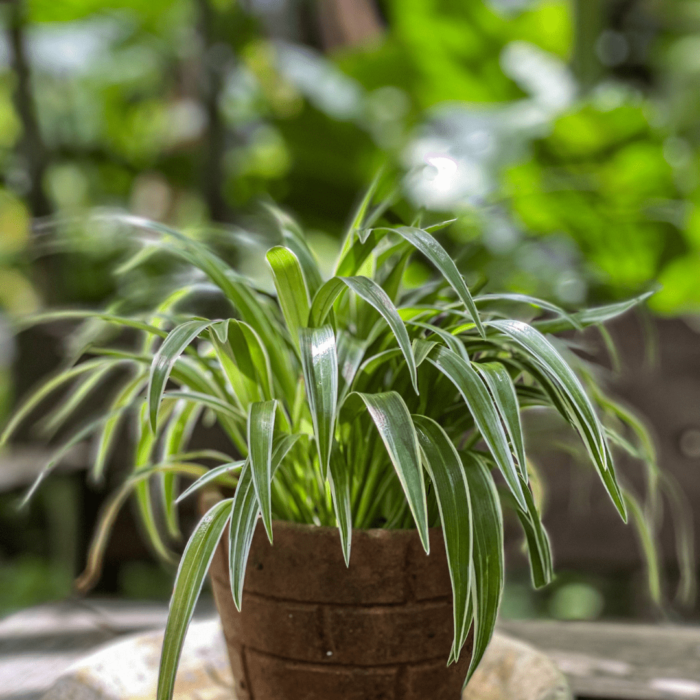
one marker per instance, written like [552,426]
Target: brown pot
[312,629]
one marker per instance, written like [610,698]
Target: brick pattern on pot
[312,629]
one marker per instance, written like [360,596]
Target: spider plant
[350,401]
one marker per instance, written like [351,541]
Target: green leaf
[261,425]
[319,362]
[428,246]
[123,399]
[173,346]
[236,288]
[324,299]
[589,317]
[199,398]
[683,524]
[358,220]
[77,396]
[294,239]
[361,249]
[177,434]
[244,514]
[292,293]
[374,295]
[531,301]
[374,362]
[629,419]
[62,451]
[145,447]
[393,421]
[421,350]
[392,283]
[108,515]
[69,315]
[188,585]
[191,375]
[350,354]
[538,547]
[244,359]
[579,407]
[45,388]
[339,480]
[482,408]
[439,226]
[211,476]
[501,387]
[444,466]
[451,341]
[489,566]
[646,538]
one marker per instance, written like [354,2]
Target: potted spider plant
[375,434]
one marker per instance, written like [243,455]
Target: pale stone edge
[127,670]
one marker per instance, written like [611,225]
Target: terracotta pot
[312,629]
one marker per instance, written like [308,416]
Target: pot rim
[369,532]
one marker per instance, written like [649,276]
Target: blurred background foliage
[563,135]
[556,130]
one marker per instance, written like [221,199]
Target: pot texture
[312,629]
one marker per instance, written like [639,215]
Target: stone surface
[37,645]
[600,660]
[127,670]
[606,660]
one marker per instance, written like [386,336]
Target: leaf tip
[153,419]
[425,539]
[267,523]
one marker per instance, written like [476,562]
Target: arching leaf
[393,421]
[173,346]
[483,410]
[442,462]
[244,515]
[374,295]
[501,387]
[188,585]
[428,245]
[489,567]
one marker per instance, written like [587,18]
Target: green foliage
[605,178]
[403,393]
[465,63]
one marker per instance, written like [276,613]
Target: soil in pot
[312,629]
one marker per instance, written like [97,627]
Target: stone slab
[127,670]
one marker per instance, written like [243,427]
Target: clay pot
[312,629]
